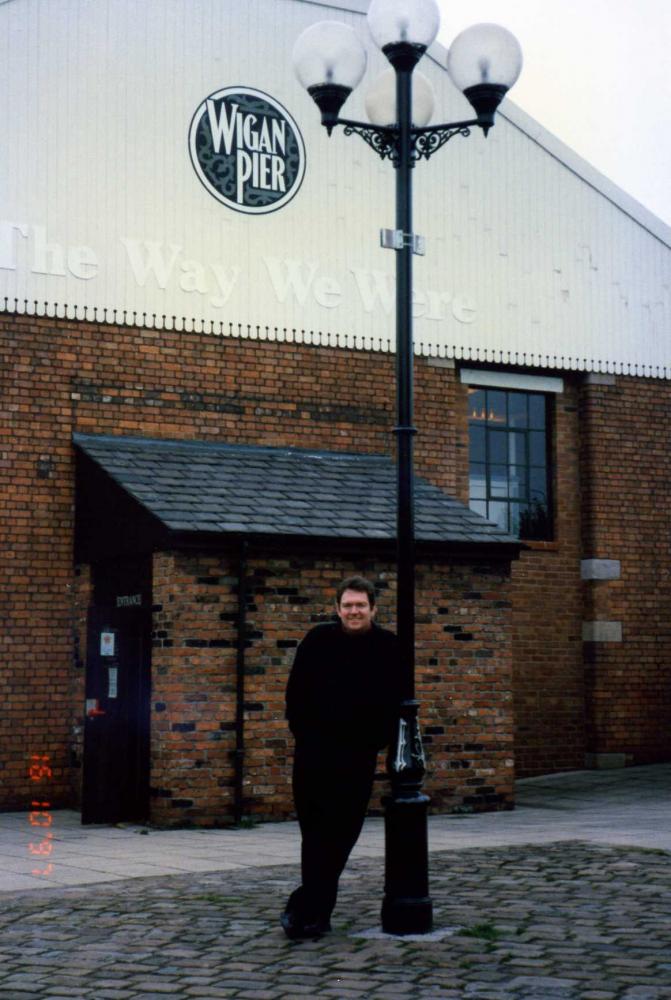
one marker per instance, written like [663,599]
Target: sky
[597,75]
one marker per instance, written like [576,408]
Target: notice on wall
[107,643]
[112,682]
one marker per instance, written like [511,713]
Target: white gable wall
[531,257]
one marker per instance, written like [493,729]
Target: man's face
[355,612]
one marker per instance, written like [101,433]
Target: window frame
[508,383]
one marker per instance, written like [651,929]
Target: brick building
[155,329]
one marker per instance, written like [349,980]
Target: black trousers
[331,794]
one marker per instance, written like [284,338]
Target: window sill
[538,546]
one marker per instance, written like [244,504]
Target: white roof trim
[511,380]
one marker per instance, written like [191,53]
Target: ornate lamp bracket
[385,140]
[427,141]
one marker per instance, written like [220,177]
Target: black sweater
[344,689]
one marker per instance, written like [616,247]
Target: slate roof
[242,489]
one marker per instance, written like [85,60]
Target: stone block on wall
[601,631]
[600,569]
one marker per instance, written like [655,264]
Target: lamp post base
[407,907]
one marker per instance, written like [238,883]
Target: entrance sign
[247,150]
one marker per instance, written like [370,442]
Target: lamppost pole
[404,429]
[407,906]
[330,60]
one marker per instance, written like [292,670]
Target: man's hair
[359,583]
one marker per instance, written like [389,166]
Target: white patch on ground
[376,934]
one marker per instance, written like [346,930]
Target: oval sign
[247,150]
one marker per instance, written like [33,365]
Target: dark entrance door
[116,727]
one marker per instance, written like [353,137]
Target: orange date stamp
[40,816]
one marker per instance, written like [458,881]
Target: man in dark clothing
[342,703]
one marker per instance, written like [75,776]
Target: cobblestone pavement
[567,921]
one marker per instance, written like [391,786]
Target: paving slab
[630,807]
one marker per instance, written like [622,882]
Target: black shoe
[291,926]
[296,930]
[316,928]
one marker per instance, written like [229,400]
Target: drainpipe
[239,752]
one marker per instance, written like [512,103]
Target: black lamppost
[484,61]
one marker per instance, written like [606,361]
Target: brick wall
[58,376]
[626,518]
[545,596]
[36,523]
[463,672]
[547,619]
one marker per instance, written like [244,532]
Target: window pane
[518,519]
[537,449]
[478,480]
[538,484]
[518,481]
[498,512]
[517,448]
[479,506]
[498,483]
[476,404]
[537,412]
[536,521]
[498,447]
[496,406]
[517,409]
[476,448]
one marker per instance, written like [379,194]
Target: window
[509,460]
